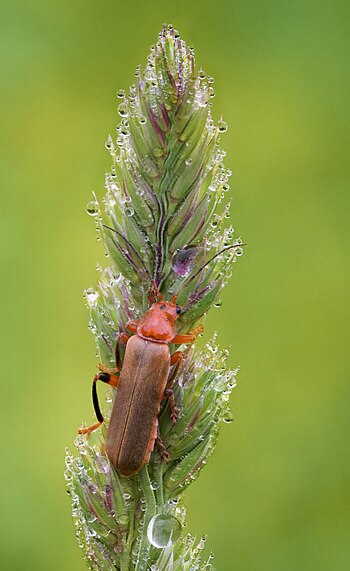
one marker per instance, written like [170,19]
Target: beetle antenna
[154,285]
[205,265]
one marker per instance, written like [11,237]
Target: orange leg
[105,369]
[175,359]
[106,376]
[179,339]
[132,325]
[154,294]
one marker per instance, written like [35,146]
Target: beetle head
[170,309]
[158,323]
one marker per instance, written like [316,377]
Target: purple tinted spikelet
[163,216]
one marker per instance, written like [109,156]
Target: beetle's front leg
[110,377]
[175,359]
[132,325]
[190,337]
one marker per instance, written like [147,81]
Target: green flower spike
[163,215]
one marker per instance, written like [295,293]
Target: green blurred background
[275,496]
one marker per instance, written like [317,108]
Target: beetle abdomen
[133,423]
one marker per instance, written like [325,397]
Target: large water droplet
[92,208]
[163,529]
[184,260]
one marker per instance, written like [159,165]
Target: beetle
[143,381]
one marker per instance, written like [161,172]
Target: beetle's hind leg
[175,359]
[174,411]
[161,447]
[110,377]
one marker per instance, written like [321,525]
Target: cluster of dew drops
[164,529]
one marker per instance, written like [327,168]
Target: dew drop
[129,211]
[91,296]
[154,485]
[121,93]
[173,501]
[123,110]
[142,120]
[228,417]
[92,208]
[202,98]
[102,464]
[184,260]
[222,126]
[220,386]
[188,161]
[163,529]
[123,520]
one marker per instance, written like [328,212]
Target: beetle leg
[132,325]
[154,294]
[106,376]
[105,369]
[174,411]
[175,359]
[152,298]
[122,338]
[161,448]
[179,339]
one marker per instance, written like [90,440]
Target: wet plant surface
[164,215]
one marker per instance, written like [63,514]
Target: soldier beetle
[143,379]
